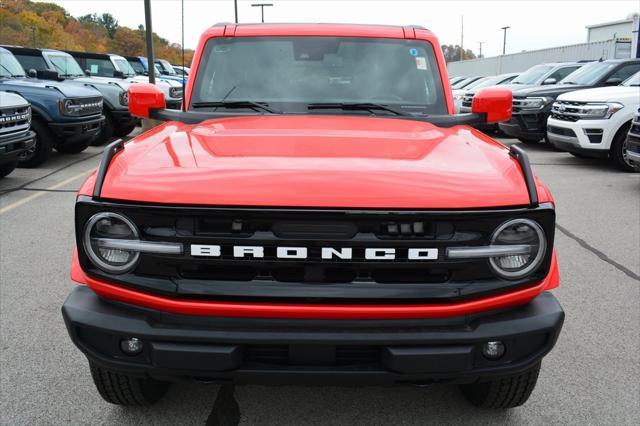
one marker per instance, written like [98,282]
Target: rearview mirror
[145,97]
[47,75]
[118,74]
[550,80]
[32,73]
[87,73]
[494,102]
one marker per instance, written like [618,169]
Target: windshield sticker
[94,69]
[421,62]
[413,51]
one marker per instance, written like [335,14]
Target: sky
[534,24]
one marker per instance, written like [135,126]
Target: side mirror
[118,74]
[145,97]
[87,73]
[47,75]
[494,102]
[32,73]
[613,81]
[550,80]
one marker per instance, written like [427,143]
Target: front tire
[507,392]
[7,168]
[41,150]
[618,151]
[120,389]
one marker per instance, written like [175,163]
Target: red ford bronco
[316,214]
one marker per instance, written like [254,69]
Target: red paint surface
[496,102]
[143,97]
[315,311]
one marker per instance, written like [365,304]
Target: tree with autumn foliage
[25,23]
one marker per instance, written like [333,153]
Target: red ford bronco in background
[316,215]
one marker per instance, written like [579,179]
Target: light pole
[235,8]
[262,6]
[480,43]
[504,39]
[149,36]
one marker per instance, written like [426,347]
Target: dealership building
[609,40]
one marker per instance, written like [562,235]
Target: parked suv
[633,140]
[50,64]
[538,75]
[595,122]
[532,106]
[64,116]
[107,65]
[15,136]
[338,225]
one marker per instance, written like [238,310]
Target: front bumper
[530,126]
[12,146]
[75,131]
[303,351]
[122,118]
[574,136]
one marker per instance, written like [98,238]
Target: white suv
[595,122]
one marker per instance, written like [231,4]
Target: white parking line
[40,194]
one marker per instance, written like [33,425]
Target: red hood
[316,161]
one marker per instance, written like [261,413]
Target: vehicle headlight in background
[598,110]
[525,235]
[534,103]
[103,228]
[124,98]
[175,92]
[112,243]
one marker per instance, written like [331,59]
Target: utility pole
[480,43]
[149,35]
[504,39]
[33,36]
[461,37]
[235,7]
[262,6]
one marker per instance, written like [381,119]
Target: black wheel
[527,140]
[106,131]
[618,151]
[73,148]
[7,168]
[41,150]
[117,388]
[124,131]
[508,392]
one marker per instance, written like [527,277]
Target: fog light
[131,346]
[493,350]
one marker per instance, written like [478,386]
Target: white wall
[608,32]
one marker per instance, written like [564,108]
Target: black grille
[325,355]
[561,131]
[89,106]
[14,120]
[633,138]
[313,278]
[467,101]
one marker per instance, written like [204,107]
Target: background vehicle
[51,64]
[357,260]
[15,136]
[465,82]
[167,71]
[532,106]
[64,116]
[181,71]
[633,140]
[595,122]
[496,80]
[454,80]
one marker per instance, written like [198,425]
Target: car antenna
[184,107]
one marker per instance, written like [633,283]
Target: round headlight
[107,226]
[519,232]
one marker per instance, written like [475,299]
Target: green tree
[109,23]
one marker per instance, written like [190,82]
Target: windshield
[479,82]
[66,65]
[464,83]
[137,67]
[298,71]
[166,67]
[123,65]
[588,74]
[532,75]
[9,66]
[632,81]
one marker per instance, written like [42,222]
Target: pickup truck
[15,136]
[65,116]
[307,220]
[108,65]
[595,122]
[50,64]
[532,106]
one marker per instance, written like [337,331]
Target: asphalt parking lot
[591,377]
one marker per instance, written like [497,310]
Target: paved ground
[592,377]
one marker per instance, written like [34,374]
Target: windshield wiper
[237,104]
[355,106]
